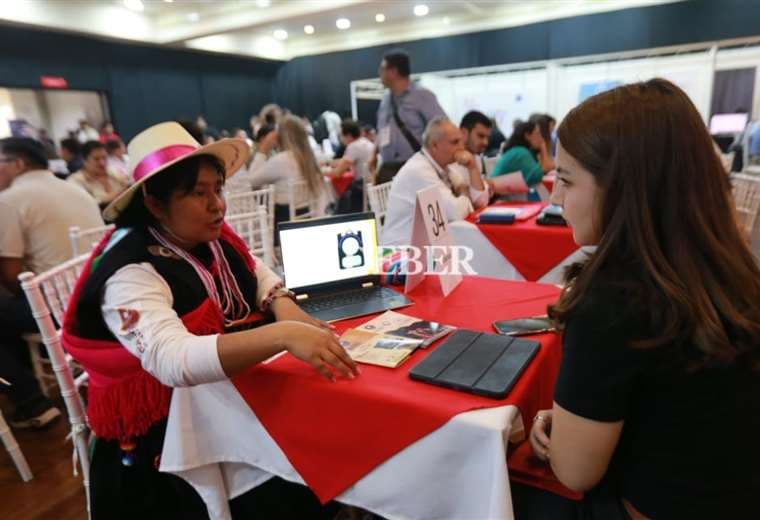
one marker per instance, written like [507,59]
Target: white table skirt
[217,444]
[488,260]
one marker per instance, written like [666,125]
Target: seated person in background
[47,144]
[657,403]
[495,141]
[295,162]
[526,152]
[102,183]
[754,144]
[176,299]
[442,145]
[117,158]
[547,124]
[70,152]
[107,133]
[476,131]
[369,133]
[358,152]
[36,211]
[86,132]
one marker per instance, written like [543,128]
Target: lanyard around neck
[437,167]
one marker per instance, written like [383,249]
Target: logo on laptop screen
[350,250]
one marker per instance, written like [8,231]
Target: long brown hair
[669,236]
[295,140]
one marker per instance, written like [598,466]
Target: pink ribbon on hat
[156,159]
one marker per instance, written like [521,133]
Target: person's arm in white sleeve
[137,308]
[267,282]
[455,207]
[266,171]
[479,198]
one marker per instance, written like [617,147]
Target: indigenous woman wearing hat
[156,307]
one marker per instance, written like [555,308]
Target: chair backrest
[253,228]
[245,202]
[300,199]
[48,294]
[747,200]
[490,163]
[378,199]
[83,240]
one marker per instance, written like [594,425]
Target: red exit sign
[53,82]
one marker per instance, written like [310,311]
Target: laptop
[333,267]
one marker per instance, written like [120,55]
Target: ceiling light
[308,29]
[263,3]
[281,34]
[446,20]
[168,1]
[342,23]
[193,17]
[379,17]
[134,5]
[421,10]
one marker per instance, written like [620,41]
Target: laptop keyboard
[342,299]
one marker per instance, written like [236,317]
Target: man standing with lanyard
[404,111]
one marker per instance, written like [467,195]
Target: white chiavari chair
[48,294]
[253,228]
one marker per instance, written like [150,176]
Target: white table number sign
[432,249]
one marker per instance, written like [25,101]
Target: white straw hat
[162,145]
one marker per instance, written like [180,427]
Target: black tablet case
[476,362]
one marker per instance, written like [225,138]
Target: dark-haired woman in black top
[657,404]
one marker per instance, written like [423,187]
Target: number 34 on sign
[430,231]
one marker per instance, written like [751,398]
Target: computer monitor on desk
[724,124]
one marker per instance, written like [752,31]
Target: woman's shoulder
[77,177]
[606,311]
[517,151]
[515,155]
[284,155]
[126,246]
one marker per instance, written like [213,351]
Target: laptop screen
[329,250]
[728,123]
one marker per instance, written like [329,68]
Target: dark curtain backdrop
[144,84]
[733,91]
[311,84]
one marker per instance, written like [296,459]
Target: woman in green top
[526,152]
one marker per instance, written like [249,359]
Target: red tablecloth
[336,433]
[534,250]
[548,181]
[342,182]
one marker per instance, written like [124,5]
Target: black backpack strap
[413,142]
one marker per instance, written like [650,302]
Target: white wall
[505,95]
[692,72]
[66,108]
[26,106]
[6,112]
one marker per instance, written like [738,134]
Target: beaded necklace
[231,302]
